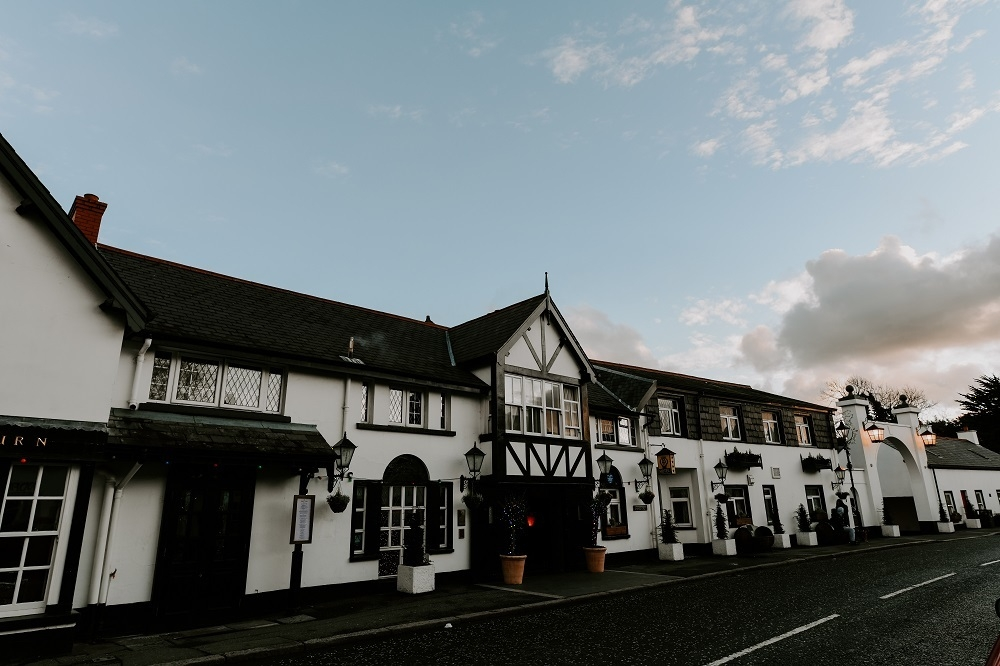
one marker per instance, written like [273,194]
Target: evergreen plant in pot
[806,536]
[416,573]
[944,526]
[593,554]
[513,514]
[667,548]
[781,540]
[889,526]
[722,544]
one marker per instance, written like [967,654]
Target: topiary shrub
[721,527]
[667,532]
[802,519]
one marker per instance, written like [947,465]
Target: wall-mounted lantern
[930,439]
[474,458]
[720,471]
[646,469]
[876,433]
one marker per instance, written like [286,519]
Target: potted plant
[889,526]
[667,548]
[944,525]
[472,500]
[338,501]
[781,540]
[647,496]
[722,544]
[513,515]
[416,574]
[806,536]
[593,554]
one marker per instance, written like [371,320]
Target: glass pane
[552,395]
[22,481]
[394,538]
[39,551]
[46,515]
[420,496]
[397,517]
[15,516]
[409,496]
[243,386]
[11,549]
[196,381]
[8,580]
[53,482]
[274,391]
[383,538]
[395,406]
[32,586]
[384,518]
[359,496]
[161,374]
[533,392]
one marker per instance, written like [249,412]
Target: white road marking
[986,564]
[771,641]
[913,587]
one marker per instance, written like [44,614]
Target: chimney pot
[86,213]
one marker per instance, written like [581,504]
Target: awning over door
[51,439]
[146,436]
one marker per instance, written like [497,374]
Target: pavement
[383,611]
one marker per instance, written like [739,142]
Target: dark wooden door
[201,566]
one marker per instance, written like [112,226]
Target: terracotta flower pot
[513,568]
[595,558]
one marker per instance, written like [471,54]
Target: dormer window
[618,431]
[187,379]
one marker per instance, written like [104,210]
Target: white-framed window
[406,407]
[670,416]
[614,508]
[803,430]
[358,521]
[619,431]
[772,435]
[364,402]
[187,379]
[770,504]
[738,509]
[535,406]
[730,418]
[815,501]
[30,518]
[949,501]
[680,506]
[445,412]
[980,500]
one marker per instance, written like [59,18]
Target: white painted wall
[893,474]
[58,350]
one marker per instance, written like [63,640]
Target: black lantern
[646,468]
[875,432]
[604,463]
[665,461]
[720,471]
[474,458]
[344,453]
[840,471]
[842,432]
[930,439]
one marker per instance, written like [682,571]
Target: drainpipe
[112,523]
[97,572]
[140,358]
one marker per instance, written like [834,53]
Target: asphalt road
[930,605]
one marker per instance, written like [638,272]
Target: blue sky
[775,193]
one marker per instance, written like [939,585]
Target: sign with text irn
[302,519]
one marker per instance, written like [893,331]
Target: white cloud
[831,22]
[601,338]
[727,310]
[331,169]
[468,31]
[181,66]
[395,112]
[88,27]
[707,148]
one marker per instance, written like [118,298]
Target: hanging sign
[302,518]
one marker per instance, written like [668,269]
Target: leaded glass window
[415,407]
[161,376]
[771,435]
[243,386]
[395,406]
[730,422]
[803,431]
[670,416]
[274,390]
[364,403]
[197,381]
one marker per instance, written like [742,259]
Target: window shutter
[653,417]
[373,513]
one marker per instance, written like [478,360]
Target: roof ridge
[669,372]
[195,269]
[493,312]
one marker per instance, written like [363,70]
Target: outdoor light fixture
[646,468]
[665,461]
[842,432]
[875,432]
[720,471]
[930,439]
[604,465]
[750,480]
[344,452]
[474,458]
[840,472]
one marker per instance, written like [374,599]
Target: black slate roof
[168,436]
[726,390]
[485,335]
[628,389]
[951,453]
[194,305]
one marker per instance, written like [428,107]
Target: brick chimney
[86,213]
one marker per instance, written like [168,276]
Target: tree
[981,407]
[881,397]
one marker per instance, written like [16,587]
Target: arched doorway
[404,489]
[902,484]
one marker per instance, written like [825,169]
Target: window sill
[616,537]
[409,431]
[219,412]
[618,447]
[545,439]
